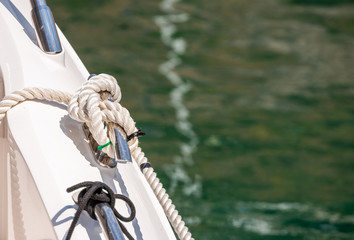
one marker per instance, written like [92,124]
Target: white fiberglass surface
[52,146]
[58,157]
[24,64]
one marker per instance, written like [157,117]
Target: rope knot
[93,194]
[97,104]
[101,194]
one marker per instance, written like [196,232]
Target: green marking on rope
[100,147]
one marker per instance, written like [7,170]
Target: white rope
[97,103]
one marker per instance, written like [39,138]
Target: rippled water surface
[247,105]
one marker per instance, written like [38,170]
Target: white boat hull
[44,151]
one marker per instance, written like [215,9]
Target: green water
[270,101]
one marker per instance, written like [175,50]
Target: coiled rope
[93,194]
[97,103]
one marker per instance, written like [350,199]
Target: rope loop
[93,194]
[93,104]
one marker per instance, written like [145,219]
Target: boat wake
[292,219]
[192,186]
